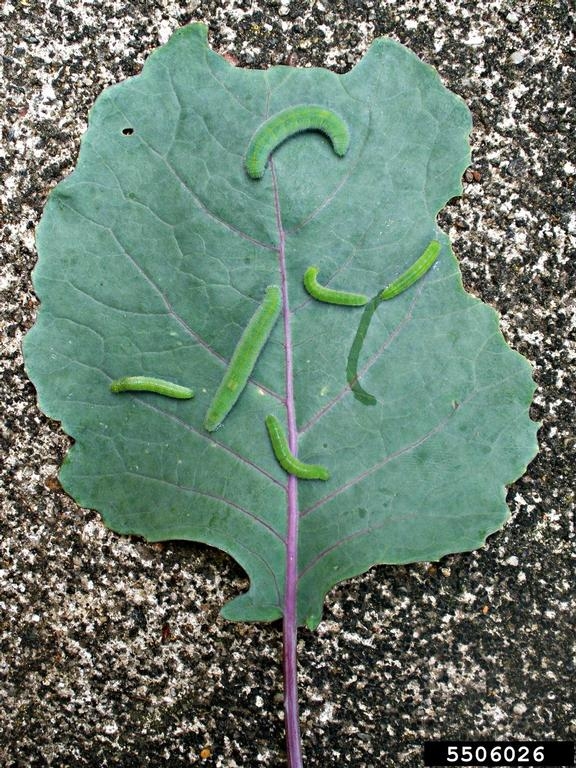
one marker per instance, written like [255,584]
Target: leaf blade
[153,256]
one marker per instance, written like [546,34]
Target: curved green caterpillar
[406,279]
[328,295]
[244,358]
[304,117]
[413,273]
[285,457]
[149,384]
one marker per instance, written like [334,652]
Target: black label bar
[529,754]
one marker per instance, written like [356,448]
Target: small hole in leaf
[127,131]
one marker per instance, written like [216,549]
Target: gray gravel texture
[112,650]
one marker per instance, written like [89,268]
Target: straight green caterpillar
[149,384]
[279,127]
[413,273]
[354,355]
[328,295]
[244,358]
[286,458]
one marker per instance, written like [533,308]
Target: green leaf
[155,253]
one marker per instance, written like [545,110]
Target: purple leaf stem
[290,625]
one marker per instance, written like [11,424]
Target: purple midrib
[290,622]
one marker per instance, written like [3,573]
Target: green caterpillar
[279,127]
[149,384]
[402,283]
[286,458]
[244,358]
[328,295]
[354,355]
[413,273]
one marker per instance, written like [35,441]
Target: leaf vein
[197,200]
[396,454]
[214,497]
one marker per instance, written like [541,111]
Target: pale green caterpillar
[244,358]
[328,295]
[406,279]
[413,273]
[149,384]
[304,117]
[286,458]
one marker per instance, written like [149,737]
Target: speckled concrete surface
[112,651]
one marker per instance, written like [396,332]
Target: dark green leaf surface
[155,253]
